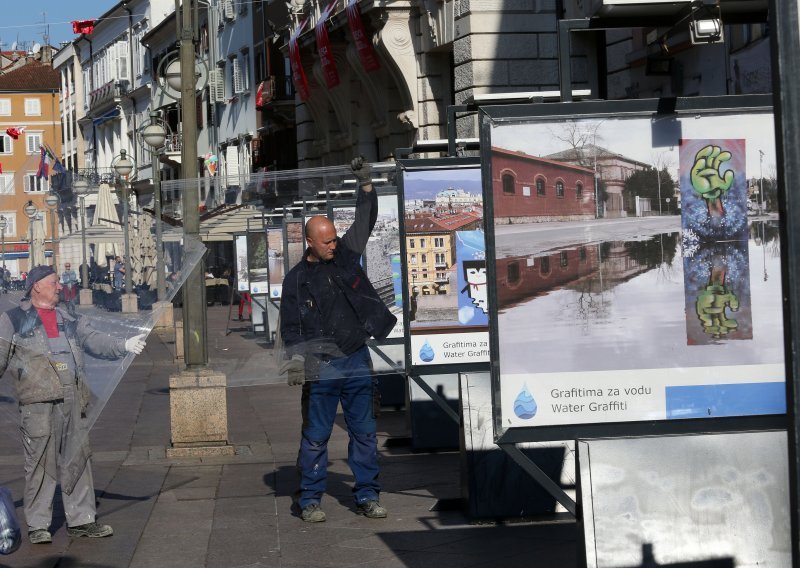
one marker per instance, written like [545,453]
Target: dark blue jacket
[325,303]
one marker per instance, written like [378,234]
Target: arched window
[508,184]
[540,186]
[559,188]
[579,190]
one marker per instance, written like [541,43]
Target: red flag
[15,132]
[1,168]
[44,169]
[298,74]
[82,26]
[366,53]
[326,60]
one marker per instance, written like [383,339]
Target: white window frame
[39,185]
[33,142]
[5,107]
[11,227]
[245,71]
[236,77]
[33,107]
[7,183]
[8,145]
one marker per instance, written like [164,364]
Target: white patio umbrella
[37,241]
[105,215]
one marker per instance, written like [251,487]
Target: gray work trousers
[48,432]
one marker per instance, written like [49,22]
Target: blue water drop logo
[426,353]
[525,406]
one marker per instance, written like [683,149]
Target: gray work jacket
[24,351]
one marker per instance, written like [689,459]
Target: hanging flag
[43,170]
[326,60]
[298,74]
[366,53]
[82,26]
[15,133]
[1,168]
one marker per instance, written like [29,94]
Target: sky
[27,21]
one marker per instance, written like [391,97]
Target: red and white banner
[324,47]
[298,74]
[366,53]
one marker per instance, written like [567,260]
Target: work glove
[361,169]
[295,368]
[10,535]
[135,344]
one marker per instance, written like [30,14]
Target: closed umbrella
[148,250]
[37,241]
[105,215]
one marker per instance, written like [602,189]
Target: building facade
[29,121]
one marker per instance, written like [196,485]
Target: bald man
[329,310]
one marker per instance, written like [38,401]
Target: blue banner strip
[713,401]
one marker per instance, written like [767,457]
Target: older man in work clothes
[41,345]
[328,311]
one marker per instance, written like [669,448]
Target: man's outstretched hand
[135,344]
[362,170]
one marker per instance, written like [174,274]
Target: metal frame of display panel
[663,110]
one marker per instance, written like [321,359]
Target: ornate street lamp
[52,201]
[123,165]
[30,211]
[154,135]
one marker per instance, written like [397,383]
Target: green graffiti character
[712,301]
[709,181]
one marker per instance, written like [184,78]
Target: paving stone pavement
[236,512]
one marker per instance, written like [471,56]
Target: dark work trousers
[349,380]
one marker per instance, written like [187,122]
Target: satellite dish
[36,48]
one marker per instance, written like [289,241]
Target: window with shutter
[33,143]
[236,76]
[230,12]
[11,222]
[5,107]
[219,84]
[6,144]
[122,61]
[33,107]
[232,164]
[7,184]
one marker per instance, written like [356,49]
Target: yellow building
[431,250]
[29,102]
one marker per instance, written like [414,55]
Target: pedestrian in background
[328,311]
[40,345]
[69,280]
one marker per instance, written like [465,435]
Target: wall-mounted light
[705,23]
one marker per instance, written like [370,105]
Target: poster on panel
[275,260]
[636,269]
[257,265]
[242,272]
[382,255]
[445,264]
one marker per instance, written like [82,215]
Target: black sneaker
[313,513]
[40,536]
[91,530]
[371,510]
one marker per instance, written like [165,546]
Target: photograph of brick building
[527,189]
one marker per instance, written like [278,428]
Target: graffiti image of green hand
[708,181]
[712,302]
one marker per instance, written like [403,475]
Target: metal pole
[785,44]
[53,238]
[160,276]
[761,181]
[194,290]
[126,238]
[84,265]
[3,238]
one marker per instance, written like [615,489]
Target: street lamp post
[30,211]
[760,182]
[81,188]
[123,165]
[52,202]
[3,225]
[154,135]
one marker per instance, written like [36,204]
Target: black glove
[295,368]
[361,169]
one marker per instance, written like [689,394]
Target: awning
[106,116]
